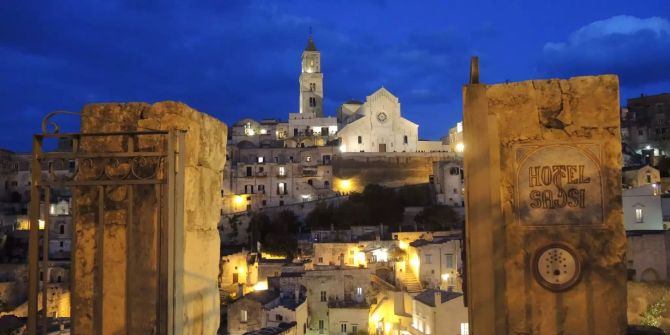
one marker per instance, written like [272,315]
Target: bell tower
[311,80]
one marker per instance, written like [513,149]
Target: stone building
[447,182]
[377,126]
[267,309]
[642,208]
[435,263]
[347,290]
[648,255]
[645,127]
[635,176]
[439,312]
[273,163]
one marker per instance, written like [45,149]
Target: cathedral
[375,125]
[273,163]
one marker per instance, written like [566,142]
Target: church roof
[310,44]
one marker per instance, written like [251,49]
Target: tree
[321,217]
[415,195]
[279,237]
[436,218]
[258,223]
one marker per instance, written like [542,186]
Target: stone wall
[642,295]
[132,281]
[392,169]
[511,131]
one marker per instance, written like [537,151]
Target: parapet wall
[392,169]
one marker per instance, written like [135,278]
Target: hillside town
[336,222]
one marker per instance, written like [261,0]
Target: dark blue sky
[235,59]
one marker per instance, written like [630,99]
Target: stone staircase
[409,282]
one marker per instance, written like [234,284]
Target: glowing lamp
[345,184]
[261,286]
[238,199]
[41,224]
[445,277]
[343,148]
[460,147]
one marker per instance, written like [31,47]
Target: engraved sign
[558,184]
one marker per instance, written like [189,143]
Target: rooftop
[427,297]
[283,327]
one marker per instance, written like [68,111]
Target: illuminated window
[465,330]
[359,291]
[308,158]
[639,217]
[243,316]
[261,159]
[282,171]
[281,189]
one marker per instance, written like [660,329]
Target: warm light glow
[359,258]
[41,224]
[241,270]
[402,245]
[648,147]
[305,197]
[266,255]
[445,277]
[414,263]
[381,255]
[343,148]
[261,286]
[387,327]
[460,147]
[345,185]
[238,199]
[459,127]
[263,131]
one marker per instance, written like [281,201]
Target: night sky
[235,59]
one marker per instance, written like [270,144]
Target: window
[243,316]
[406,139]
[312,86]
[295,131]
[260,169]
[281,188]
[261,188]
[326,183]
[282,171]
[249,189]
[640,132]
[310,182]
[312,102]
[360,139]
[249,171]
[281,202]
[454,171]
[279,317]
[261,159]
[648,178]
[465,330]
[427,256]
[323,296]
[321,326]
[61,229]
[308,158]
[61,244]
[265,202]
[359,291]
[343,328]
[639,217]
[450,260]
[354,329]
[326,159]
[320,259]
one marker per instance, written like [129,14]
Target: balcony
[261,174]
[309,172]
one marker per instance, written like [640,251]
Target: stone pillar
[544,233]
[130,298]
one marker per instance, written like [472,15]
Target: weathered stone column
[545,237]
[130,289]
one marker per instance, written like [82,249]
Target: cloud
[636,49]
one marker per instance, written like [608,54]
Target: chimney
[438,298]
